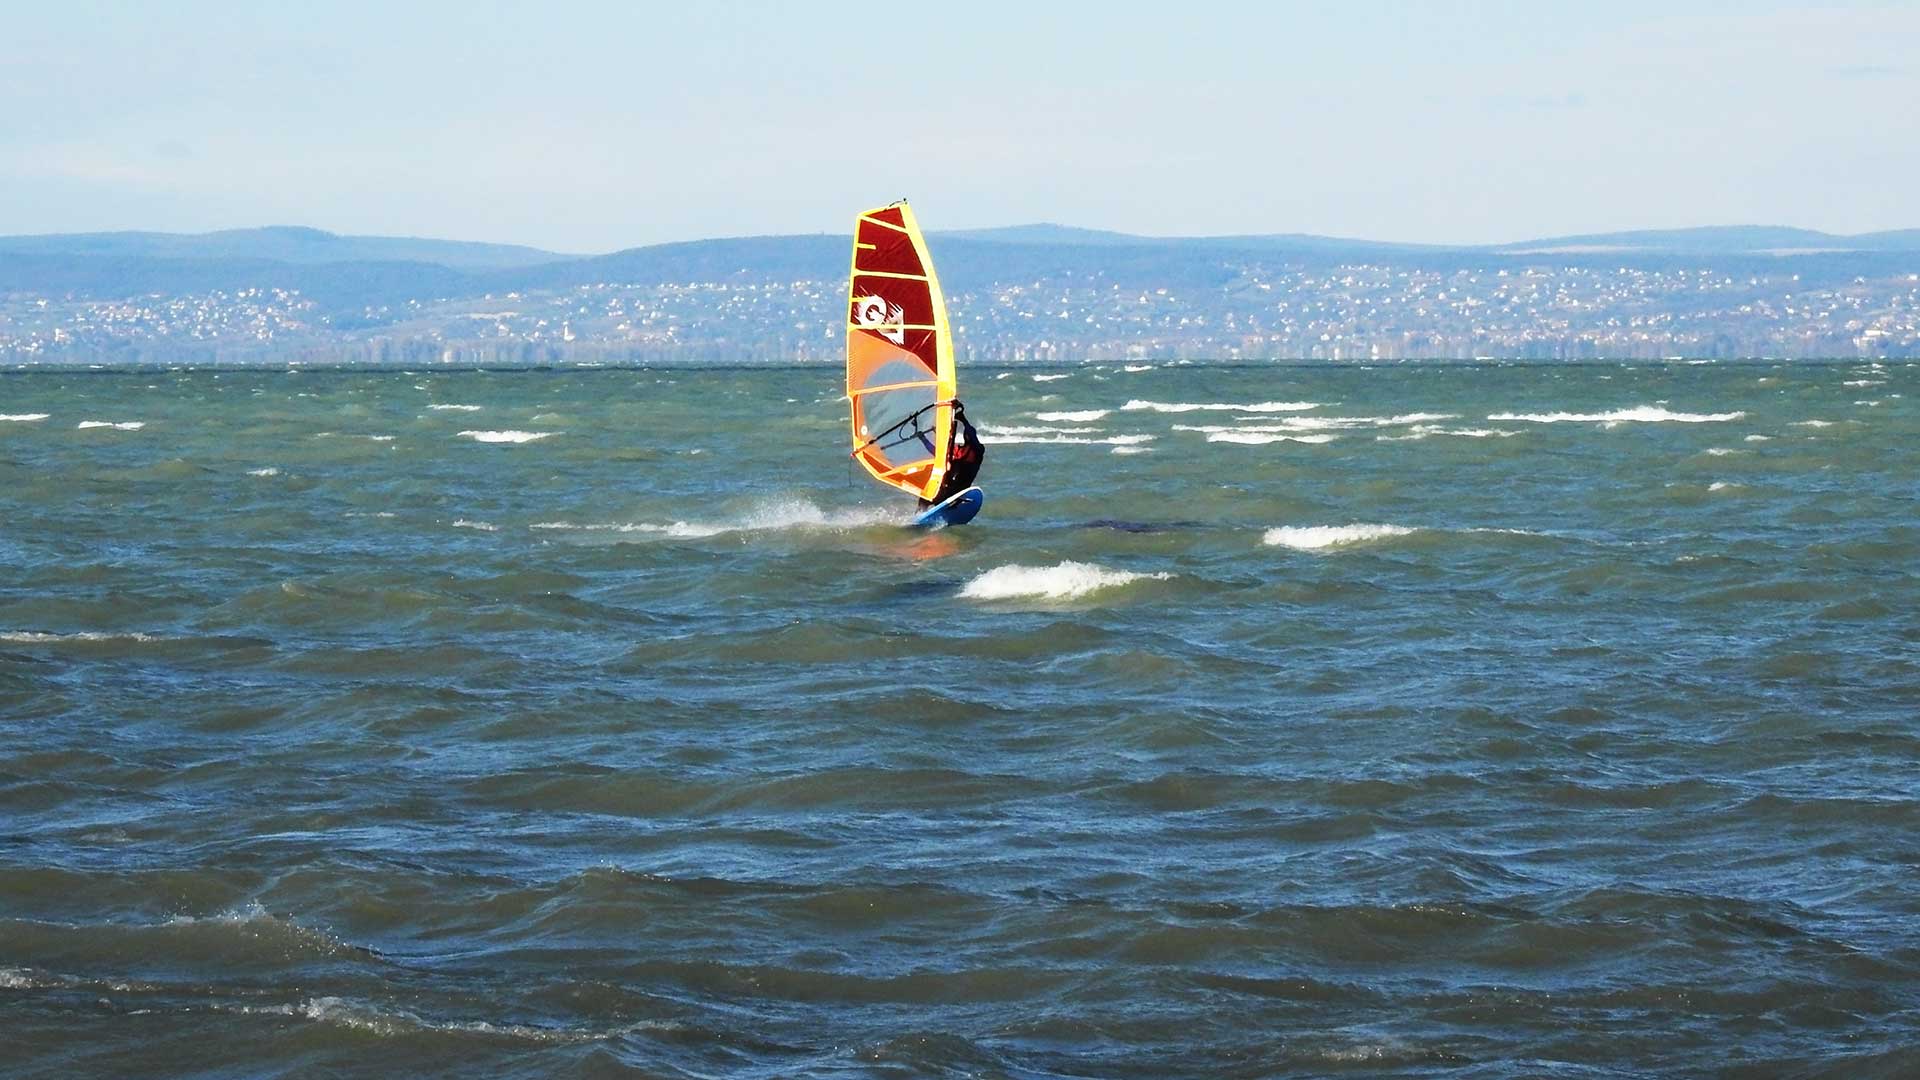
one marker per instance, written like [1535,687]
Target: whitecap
[1188,406]
[463,523]
[1644,414]
[1079,440]
[1759,438]
[1254,438]
[1065,581]
[1865,382]
[1421,431]
[23,418]
[1138,367]
[1131,450]
[123,425]
[1813,423]
[267,471]
[1722,485]
[1052,378]
[37,637]
[1318,537]
[1083,416]
[507,436]
[1030,429]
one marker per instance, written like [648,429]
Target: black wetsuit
[964,455]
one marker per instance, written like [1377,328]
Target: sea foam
[1077,440]
[1065,581]
[1320,537]
[38,637]
[506,436]
[1189,406]
[1255,438]
[1083,416]
[123,425]
[1643,414]
[23,418]
[782,515]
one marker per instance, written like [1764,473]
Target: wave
[1080,440]
[1421,431]
[39,637]
[1083,416]
[1066,581]
[267,471]
[463,523]
[1188,406]
[1642,414]
[1028,429]
[389,1022]
[456,408]
[1813,423]
[506,436]
[1138,367]
[1051,378]
[1132,450]
[1319,537]
[1759,438]
[122,425]
[784,515]
[23,418]
[1254,438]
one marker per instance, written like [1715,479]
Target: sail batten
[900,378]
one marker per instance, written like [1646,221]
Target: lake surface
[1468,720]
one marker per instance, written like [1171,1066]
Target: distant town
[1229,305]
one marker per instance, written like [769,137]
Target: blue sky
[592,127]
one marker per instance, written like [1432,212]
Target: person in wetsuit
[964,455]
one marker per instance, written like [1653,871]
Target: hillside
[1026,292]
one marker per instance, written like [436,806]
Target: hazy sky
[592,127]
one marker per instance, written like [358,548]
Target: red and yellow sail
[899,354]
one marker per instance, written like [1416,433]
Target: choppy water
[1413,721]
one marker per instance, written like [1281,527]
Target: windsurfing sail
[899,354]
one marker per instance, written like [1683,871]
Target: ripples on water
[1414,721]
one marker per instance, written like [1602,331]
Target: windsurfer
[964,456]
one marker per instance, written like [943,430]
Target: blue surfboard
[957,510]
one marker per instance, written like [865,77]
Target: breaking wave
[506,436]
[1188,406]
[1255,438]
[1065,581]
[38,637]
[27,417]
[456,408]
[1320,537]
[1083,416]
[1081,440]
[122,425]
[1643,414]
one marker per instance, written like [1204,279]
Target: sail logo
[875,312]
